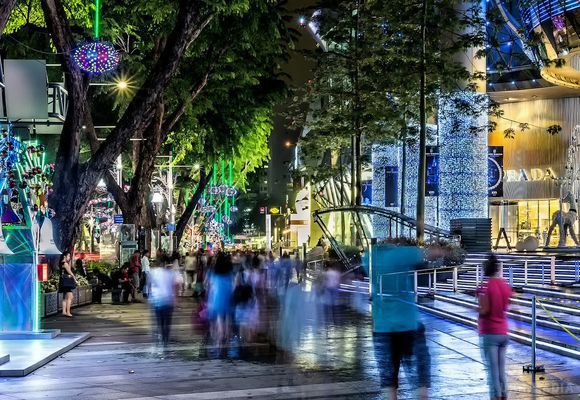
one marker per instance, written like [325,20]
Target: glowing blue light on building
[463,155]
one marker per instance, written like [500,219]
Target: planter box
[52,302]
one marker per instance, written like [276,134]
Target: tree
[230,66]
[377,67]
[74,180]
[237,129]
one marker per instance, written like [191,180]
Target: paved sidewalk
[334,361]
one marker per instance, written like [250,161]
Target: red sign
[263,210]
[42,272]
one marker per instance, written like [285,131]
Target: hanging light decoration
[96,57]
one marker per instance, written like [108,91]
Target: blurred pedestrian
[163,291]
[219,297]
[398,335]
[494,297]
[190,264]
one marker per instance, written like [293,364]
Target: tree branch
[113,187]
[5,10]
[75,82]
[194,199]
[139,112]
[195,91]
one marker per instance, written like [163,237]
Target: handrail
[404,219]
[437,269]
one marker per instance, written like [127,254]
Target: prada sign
[533,174]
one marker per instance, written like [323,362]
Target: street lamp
[157,201]
[122,85]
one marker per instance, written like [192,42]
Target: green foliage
[100,266]
[29,13]
[53,283]
[367,76]
[232,118]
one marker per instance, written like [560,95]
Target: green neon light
[97,18]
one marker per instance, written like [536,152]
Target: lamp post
[157,200]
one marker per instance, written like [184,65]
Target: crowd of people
[234,288]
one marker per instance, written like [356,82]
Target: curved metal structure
[397,225]
[405,222]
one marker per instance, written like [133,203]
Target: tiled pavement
[333,361]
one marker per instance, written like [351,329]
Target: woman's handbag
[67,282]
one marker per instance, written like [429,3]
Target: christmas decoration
[96,57]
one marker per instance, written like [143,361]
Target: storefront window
[521,219]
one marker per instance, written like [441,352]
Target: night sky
[300,72]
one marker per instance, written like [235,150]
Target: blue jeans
[493,349]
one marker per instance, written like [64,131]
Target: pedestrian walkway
[336,361]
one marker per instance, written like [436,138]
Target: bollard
[534,333]
[533,368]
[526,273]
[553,270]
[511,276]
[415,281]
[455,279]
[477,275]
[381,285]
[577,271]
[501,269]
[542,274]
[429,283]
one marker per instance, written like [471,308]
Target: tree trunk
[403,178]
[358,151]
[5,10]
[422,132]
[342,222]
[353,171]
[188,212]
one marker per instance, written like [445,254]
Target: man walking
[163,285]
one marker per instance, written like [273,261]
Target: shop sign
[532,174]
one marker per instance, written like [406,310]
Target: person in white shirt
[145,270]
[164,282]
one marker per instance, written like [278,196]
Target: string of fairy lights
[217,203]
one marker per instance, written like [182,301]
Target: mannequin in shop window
[565,220]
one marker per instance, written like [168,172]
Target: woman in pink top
[494,298]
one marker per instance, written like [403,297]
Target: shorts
[135,281]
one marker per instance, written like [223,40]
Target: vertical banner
[268,232]
[495,171]
[432,178]
[367,193]
[391,186]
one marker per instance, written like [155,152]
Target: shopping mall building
[515,174]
